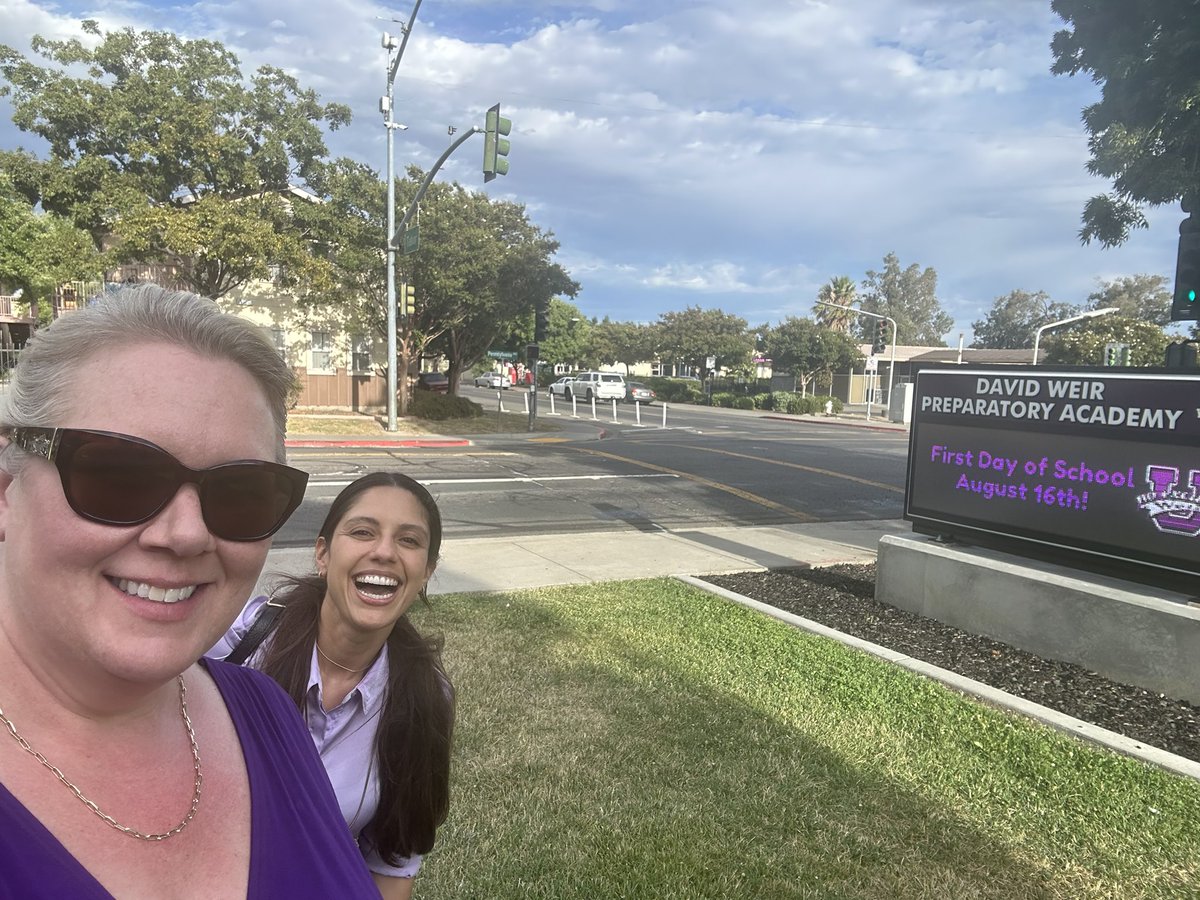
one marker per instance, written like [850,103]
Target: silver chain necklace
[132,832]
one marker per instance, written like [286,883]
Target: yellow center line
[715,485]
[813,469]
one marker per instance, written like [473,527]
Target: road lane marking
[715,485]
[813,469]
[527,479]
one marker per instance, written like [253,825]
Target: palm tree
[840,291]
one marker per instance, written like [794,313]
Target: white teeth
[156,594]
[381,580]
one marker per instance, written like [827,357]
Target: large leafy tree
[1144,131]
[1144,297]
[909,296]
[1083,343]
[692,335]
[806,349]
[1011,322]
[842,292]
[160,149]
[39,251]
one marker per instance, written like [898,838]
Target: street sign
[412,238]
[502,354]
[872,364]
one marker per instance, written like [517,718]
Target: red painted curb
[375,445]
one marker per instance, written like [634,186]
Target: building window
[322,351]
[360,353]
[279,342]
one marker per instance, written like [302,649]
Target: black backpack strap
[263,625]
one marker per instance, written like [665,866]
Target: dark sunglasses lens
[117,481]
[248,502]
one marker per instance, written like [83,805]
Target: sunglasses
[115,479]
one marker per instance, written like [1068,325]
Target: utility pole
[387,107]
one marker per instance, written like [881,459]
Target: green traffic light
[1192,296]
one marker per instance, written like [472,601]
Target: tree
[1143,297]
[805,349]
[841,291]
[567,333]
[1083,344]
[910,297]
[1144,131]
[163,152]
[693,335]
[39,251]
[1011,322]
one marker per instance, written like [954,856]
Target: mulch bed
[843,597]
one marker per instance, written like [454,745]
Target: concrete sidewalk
[529,561]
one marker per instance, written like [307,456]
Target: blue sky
[716,154]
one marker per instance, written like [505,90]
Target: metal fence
[8,359]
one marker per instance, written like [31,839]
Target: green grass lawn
[646,739]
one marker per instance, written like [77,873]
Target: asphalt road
[709,467]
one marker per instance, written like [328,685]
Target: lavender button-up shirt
[345,738]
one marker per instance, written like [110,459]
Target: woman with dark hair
[377,701]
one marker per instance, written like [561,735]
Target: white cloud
[735,156]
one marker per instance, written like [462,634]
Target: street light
[1090,314]
[387,105]
[892,363]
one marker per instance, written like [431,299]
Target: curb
[310,443]
[862,426]
[1059,721]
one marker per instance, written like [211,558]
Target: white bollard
[525,397]
[593,407]
[637,413]
[574,406]
[614,403]
[552,412]
[664,425]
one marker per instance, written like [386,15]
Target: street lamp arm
[403,43]
[1090,314]
[412,207]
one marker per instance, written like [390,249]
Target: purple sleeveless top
[300,846]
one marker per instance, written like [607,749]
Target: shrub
[743,403]
[724,399]
[673,390]
[438,407]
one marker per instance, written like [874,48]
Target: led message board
[1097,468]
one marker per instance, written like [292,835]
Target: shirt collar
[371,689]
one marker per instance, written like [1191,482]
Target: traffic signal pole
[892,363]
[389,123]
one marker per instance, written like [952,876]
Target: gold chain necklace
[325,656]
[132,832]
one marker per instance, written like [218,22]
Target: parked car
[588,386]
[560,388]
[433,381]
[636,391]
[493,380]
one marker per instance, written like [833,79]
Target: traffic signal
[1186,304]
[1181,355]
[1116,354]
[495,146]
[878,337]
[406,302]
[542,323]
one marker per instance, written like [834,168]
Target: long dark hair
[416,726]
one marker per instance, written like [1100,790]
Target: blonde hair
[38,394]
